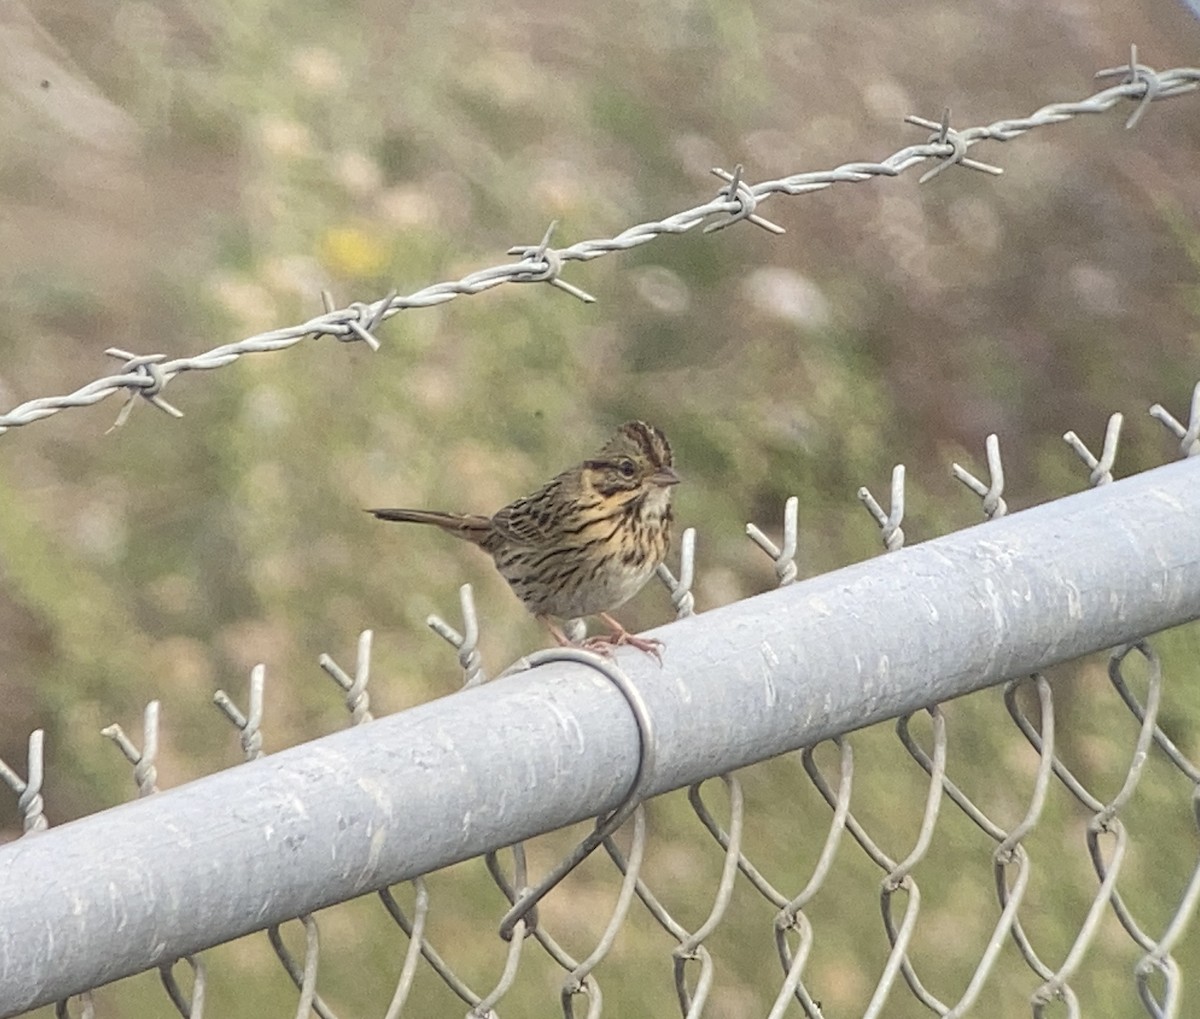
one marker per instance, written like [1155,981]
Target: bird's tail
[468,526]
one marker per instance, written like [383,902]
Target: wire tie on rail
[605,826]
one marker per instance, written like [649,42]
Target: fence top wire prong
[1134,73]
[744,200]
[29,791]
[465,643]
[944,134]
[145,774]
[785,557]
[249,726]
[681,590]
[545,266]
[889,523]
[1101,470]
[1189,435]
[144,367]
[992,494]
[358,700]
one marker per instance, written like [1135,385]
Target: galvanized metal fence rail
[565,736]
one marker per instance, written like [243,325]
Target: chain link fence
[564,736]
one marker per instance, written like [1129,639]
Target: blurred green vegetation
[188,175]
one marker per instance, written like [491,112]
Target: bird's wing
[529,521]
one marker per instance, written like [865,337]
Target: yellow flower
[349,251]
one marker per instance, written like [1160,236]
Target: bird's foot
[605,643]
[620,636]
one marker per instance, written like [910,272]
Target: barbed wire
[146,376]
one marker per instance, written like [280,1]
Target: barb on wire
[368,316]
[546,266]
[681,589]
[1134,73]
[992,493]
[541,263]
[944,136]
[1189,434]
[889,523]
[465,643]
[1101,470]
[742,203]
[148,368]
[784,558]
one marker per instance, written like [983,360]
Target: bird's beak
[664,477]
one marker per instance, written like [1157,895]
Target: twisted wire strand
[146,376]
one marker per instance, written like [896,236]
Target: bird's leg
[559,635]
[620,636]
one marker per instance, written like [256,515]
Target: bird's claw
[604,643]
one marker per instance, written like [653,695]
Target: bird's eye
[626,469]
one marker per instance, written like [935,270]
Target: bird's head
[637,460]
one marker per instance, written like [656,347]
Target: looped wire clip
[607,825]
